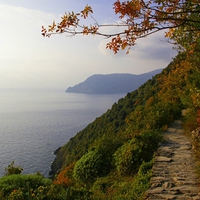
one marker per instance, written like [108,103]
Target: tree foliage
[137,19]
[18,186]
[12,169]
[140,149]
[64,178]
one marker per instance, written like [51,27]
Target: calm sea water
[34,123]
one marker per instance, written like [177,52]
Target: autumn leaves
[138,19]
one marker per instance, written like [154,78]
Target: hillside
[113,149]
[112,83]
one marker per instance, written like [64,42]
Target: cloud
[20,32]
[26,58]
[153,47]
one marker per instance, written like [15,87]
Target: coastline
[53,167]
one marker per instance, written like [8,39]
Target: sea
[35,122]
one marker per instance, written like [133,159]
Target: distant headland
[112,83]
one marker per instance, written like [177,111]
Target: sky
[28,60]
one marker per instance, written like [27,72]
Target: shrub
[17,183]
[98,161]
[89,167]
[11,169]
[141,148]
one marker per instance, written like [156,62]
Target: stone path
[174,174]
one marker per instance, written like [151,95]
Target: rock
[163,159]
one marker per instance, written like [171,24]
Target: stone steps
[174,175]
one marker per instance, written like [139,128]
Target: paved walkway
[174,174]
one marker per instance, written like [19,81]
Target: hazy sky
[27,60]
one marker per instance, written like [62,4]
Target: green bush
[89,167]
[80,194]
[141,181]
[17,195]
[55,192]
[98,161]
[102,184]
[17,183]
[11,169]
[130,156]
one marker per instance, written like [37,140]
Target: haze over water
[34,123]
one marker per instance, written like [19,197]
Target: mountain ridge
[112,83]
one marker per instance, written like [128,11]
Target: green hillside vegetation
[110,152]
[151,107]
[112,157]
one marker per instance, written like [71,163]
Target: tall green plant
[141,148]
[12,169]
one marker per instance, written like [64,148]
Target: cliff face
[112,83]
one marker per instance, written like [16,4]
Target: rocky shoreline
[54,167]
